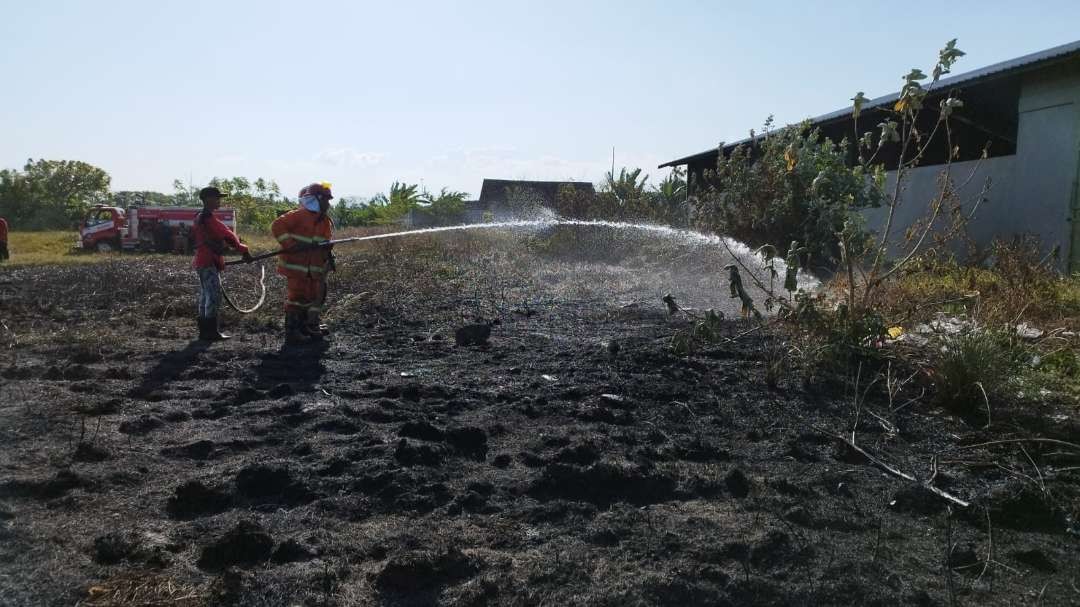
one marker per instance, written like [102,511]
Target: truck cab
[102,228]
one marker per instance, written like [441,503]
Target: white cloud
[348,158]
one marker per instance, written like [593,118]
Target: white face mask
[310,203]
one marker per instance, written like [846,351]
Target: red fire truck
[161,229]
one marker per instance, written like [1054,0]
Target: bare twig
[936,210]
[877,540]
[1042,483]
[1052,441]
[1042,593]
[987,400]
[858,409]
[895,471]
[885,424]
[747,332]
[989,551]
[948,556]
[911,400]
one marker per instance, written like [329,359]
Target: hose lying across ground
[262,273]
[262,294]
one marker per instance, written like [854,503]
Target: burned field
[571,459]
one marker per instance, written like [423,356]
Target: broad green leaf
[914,75]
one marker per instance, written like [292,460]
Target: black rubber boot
[215,329]
[208,330]
[204,330]
[312,327]
[294,333]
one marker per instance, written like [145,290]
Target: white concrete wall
[1034,192]
[1047,151]
[988,183]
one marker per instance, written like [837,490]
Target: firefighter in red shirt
[3,240]
[304,263]
[211,238]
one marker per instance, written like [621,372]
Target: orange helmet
[321,190]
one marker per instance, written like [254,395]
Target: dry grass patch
[143,589]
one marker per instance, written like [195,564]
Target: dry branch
[893,470]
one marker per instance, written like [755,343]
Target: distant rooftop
[496,190]
[1003,69]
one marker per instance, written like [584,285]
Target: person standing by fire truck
[304,262]
[211,239]
[3,240]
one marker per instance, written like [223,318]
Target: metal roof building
[498,192]
[1027,110]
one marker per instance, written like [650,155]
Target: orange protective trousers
[303,294]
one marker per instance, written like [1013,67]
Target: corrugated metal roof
[990,72]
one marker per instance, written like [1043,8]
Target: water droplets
[676,235]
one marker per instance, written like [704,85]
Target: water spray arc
[687,236]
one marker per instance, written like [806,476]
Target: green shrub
[972,369]
[834,343]
[792,184]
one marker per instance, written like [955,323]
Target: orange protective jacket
[3,230]
[297,228]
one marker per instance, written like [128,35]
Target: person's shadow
[169,368]
[300,367]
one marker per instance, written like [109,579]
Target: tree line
[628,196]
[56,194]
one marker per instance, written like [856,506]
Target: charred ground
[390,466]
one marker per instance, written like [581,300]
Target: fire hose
[297,249]
[262,294]
[262,271]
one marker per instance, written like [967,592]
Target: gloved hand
[331,262]
[246,257]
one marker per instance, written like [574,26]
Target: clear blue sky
[365,93]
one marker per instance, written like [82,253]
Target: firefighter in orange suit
[302,234]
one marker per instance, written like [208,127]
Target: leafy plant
[627,196]
[625,186]
[971,369]
[788,185]
[904,129]
[793,184]
[833,341]
[401,198]
[447,206]
[706,330]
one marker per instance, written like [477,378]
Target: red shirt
[3,230]
[211,236]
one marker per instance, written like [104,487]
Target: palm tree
[670,197]
[672,190]
[626,186]
[403,197]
